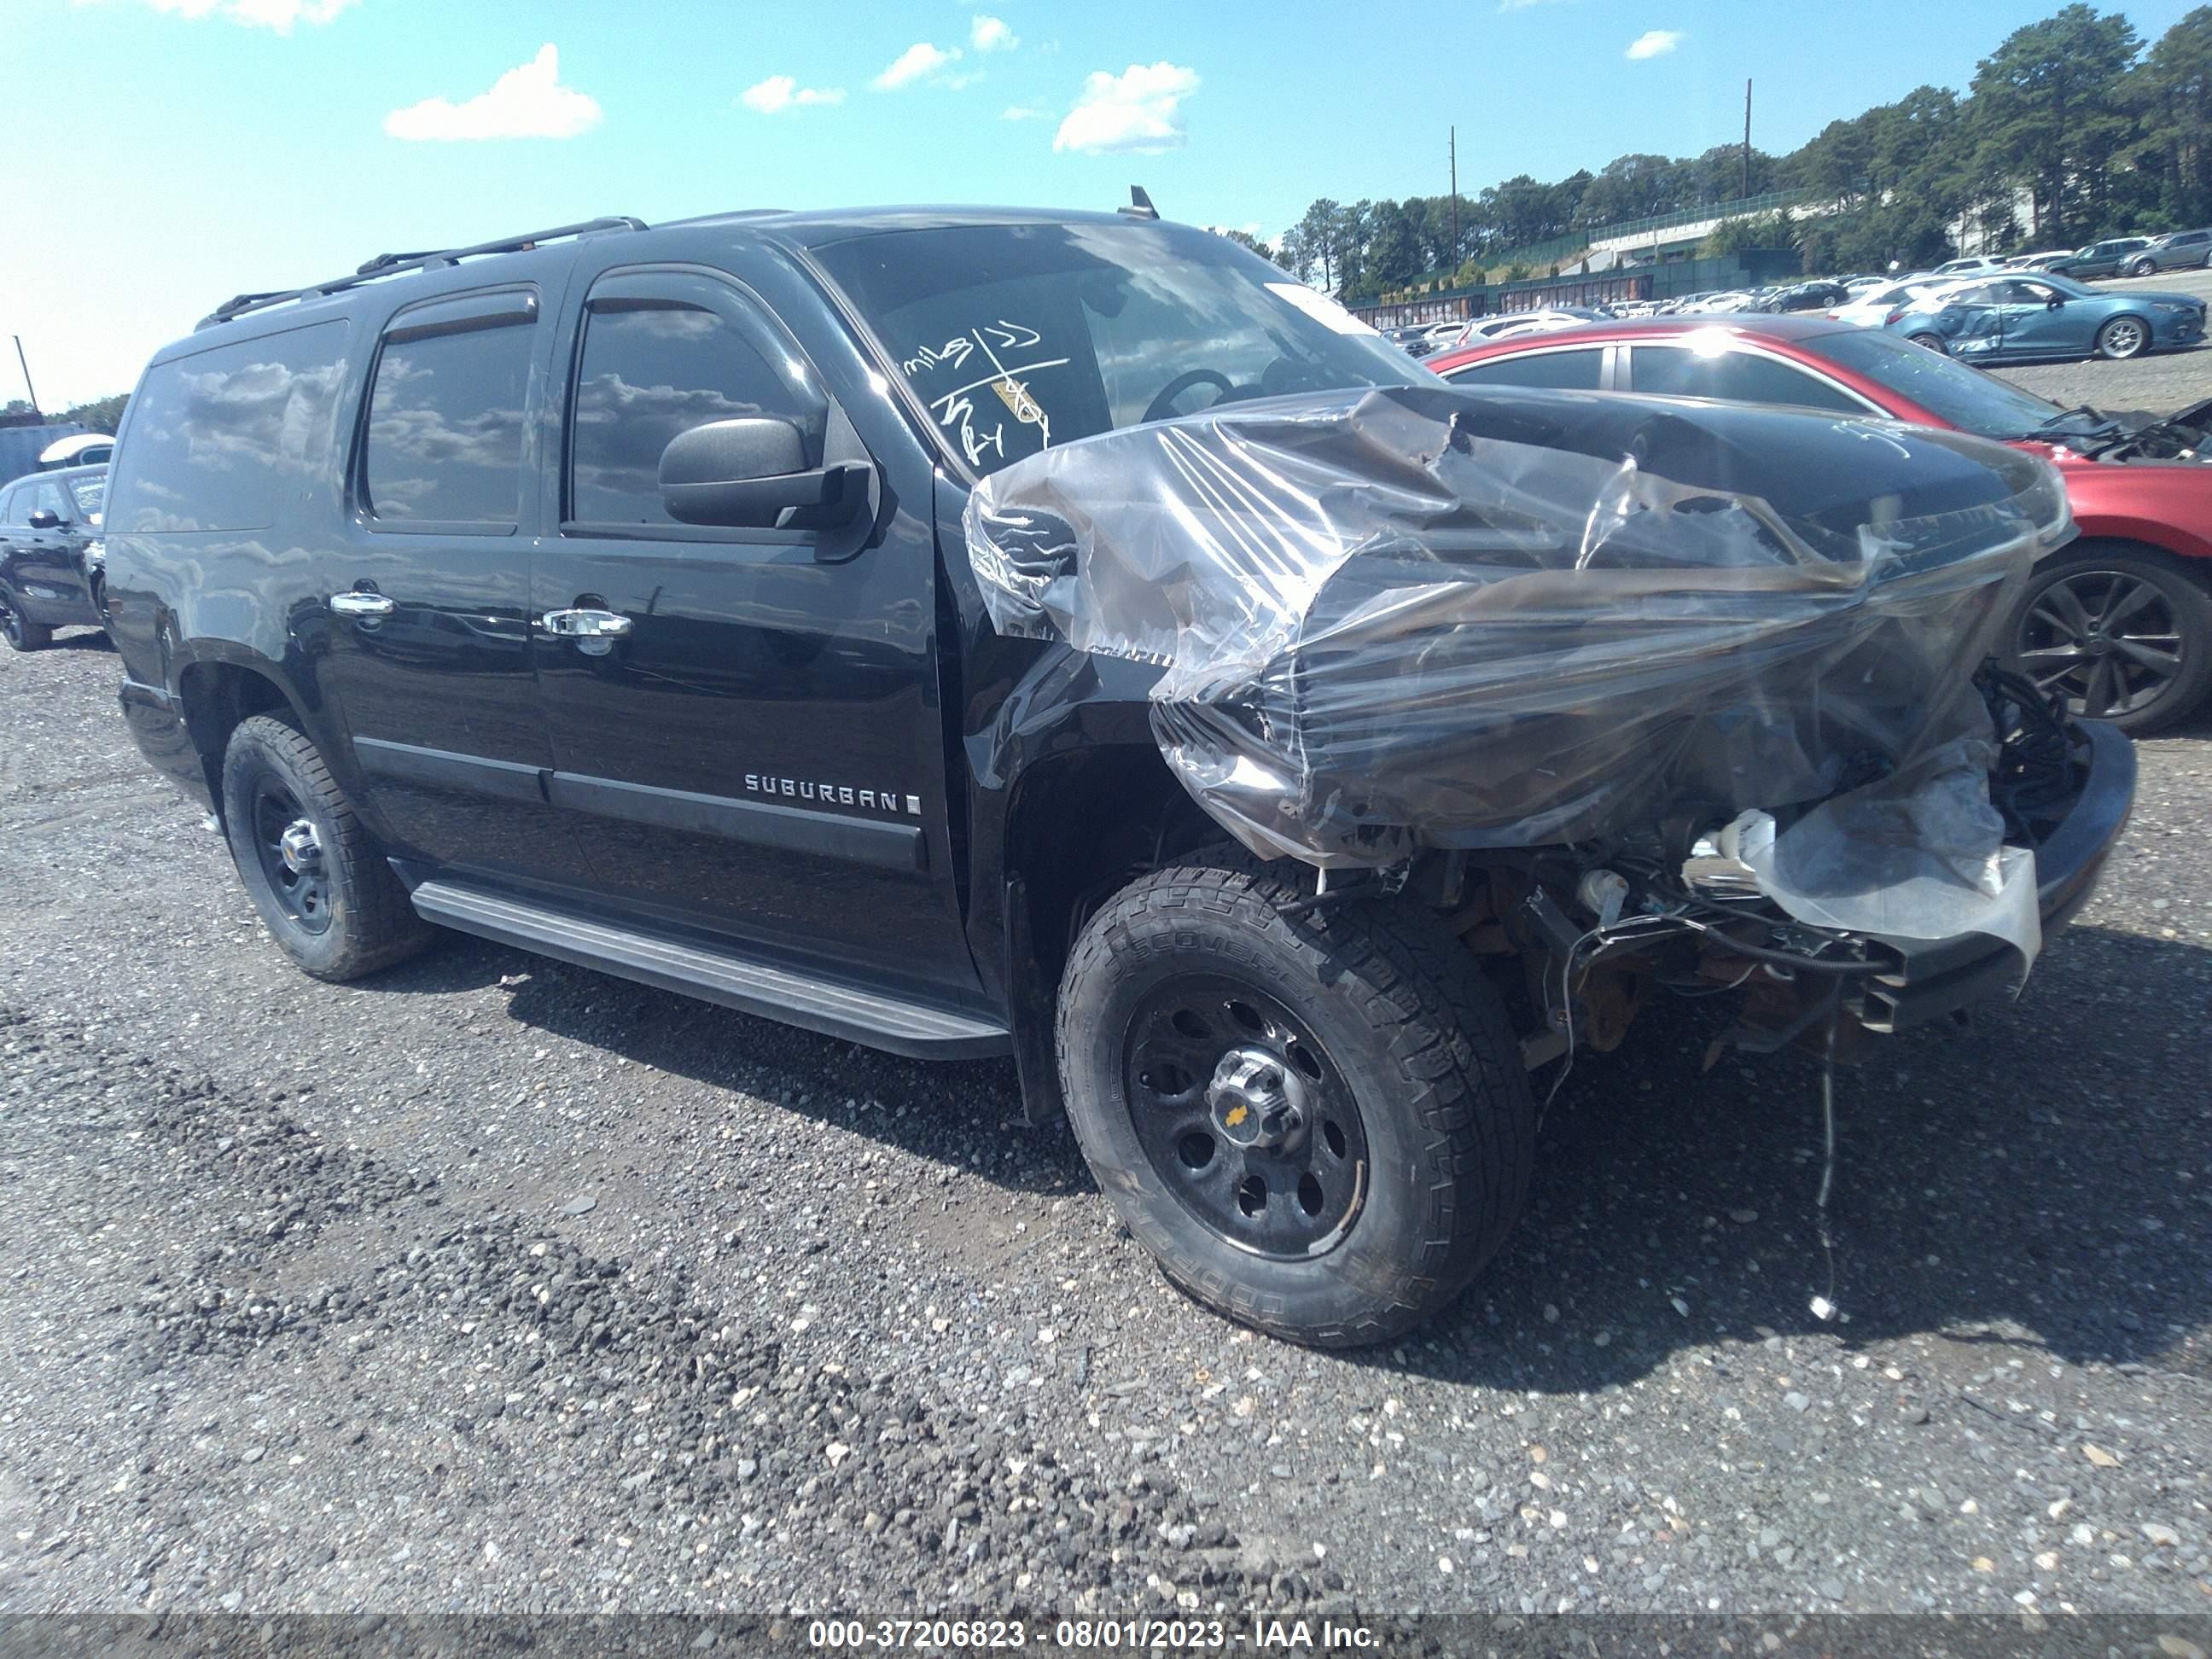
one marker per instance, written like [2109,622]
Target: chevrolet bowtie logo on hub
[834,794]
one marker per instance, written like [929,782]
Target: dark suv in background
[50,554]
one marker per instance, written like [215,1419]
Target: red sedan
[2120,620]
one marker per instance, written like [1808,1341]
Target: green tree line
[2070,130]
[101,415]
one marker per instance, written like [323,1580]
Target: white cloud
[277,14]
[782,92]
[920,62]
[1139,110]
[988,33]
[1024,112]
[529,102]
[1656,43]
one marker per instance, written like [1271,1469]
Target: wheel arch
[2111,533]
[216,695]
[1080,825]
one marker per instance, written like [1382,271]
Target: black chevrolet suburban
[606,591]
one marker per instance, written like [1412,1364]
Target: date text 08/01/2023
[1094,1635]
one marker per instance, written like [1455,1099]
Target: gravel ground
[493,1284]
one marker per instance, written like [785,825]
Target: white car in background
[1501,324]
[1871,309]
[1972,264]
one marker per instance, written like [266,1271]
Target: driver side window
[659,358]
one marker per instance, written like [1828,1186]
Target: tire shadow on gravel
[2037,1180]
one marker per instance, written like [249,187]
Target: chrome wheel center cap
[303,849]
[1256,1102]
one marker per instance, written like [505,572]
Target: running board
[830,1006]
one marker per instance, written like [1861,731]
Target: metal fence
[1752,268]
[1555,249]
[1742,207]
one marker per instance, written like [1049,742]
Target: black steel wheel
[1318,1122]
[1245,1118]
[323,890]
[289,847]
[21,633]
[2123,634]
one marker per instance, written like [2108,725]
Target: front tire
[2143,268]
[324,891]
[2122,337]
[1320,1124]
[2123,633]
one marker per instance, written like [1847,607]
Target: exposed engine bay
[1647,699]
[2136,435]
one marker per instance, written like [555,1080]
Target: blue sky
[182,151]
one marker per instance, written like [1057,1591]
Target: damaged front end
[1639,696]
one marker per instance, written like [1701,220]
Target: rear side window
[1740,377]
[88,489]
[444,443]
[215,441]
[1567,371]
[664,354]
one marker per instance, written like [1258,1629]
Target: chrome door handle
[357,604]
[585,625]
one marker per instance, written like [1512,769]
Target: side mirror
[2057,302]
[45,519]
[752,473]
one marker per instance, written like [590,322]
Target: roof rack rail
[386,264]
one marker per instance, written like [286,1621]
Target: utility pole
[1747,136]
[26,362]
[1455,196]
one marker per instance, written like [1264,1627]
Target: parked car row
[2120,621]
[2115,255]
[50,554]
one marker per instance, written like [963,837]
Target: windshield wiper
[2099,420]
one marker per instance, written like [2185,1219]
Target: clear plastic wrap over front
[1431,616]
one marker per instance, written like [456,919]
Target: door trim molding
[442,768]
[900,847]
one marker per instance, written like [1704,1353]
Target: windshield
[1950,390]
[1019,336]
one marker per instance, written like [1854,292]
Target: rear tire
[1406,1121]
[1933,342]
[21,633]
[322,889]
[2098,624]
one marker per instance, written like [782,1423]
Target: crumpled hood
[1448,618]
